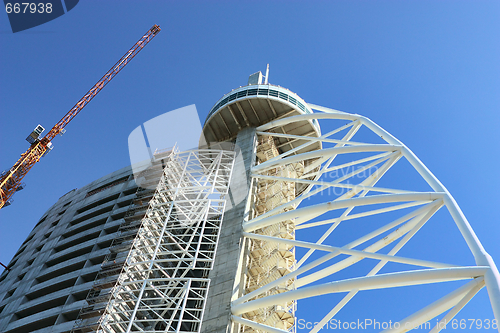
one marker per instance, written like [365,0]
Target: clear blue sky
[427,71]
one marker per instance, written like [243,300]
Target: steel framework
[280,215]
[163,284]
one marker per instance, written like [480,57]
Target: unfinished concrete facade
[53,271]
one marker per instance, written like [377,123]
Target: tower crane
[10,180]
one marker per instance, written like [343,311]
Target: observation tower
[283,201]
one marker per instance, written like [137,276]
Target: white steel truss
[163,285]
[282,213]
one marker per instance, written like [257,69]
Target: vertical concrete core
[226,280]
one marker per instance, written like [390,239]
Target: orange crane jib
[11,179]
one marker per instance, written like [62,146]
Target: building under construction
[205,240]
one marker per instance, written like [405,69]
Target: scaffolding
[155,277]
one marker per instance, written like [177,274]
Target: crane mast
[11,179]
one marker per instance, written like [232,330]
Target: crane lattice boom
[10,181]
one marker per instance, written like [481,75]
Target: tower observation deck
[257,104]
[270,210]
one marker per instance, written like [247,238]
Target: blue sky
[426,71]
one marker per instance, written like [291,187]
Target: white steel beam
[389,280]
[304,214]
[356,253]
[438,307]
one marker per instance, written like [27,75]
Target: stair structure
[269,261]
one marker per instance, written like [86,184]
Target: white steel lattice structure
[163,285]
[277,227]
